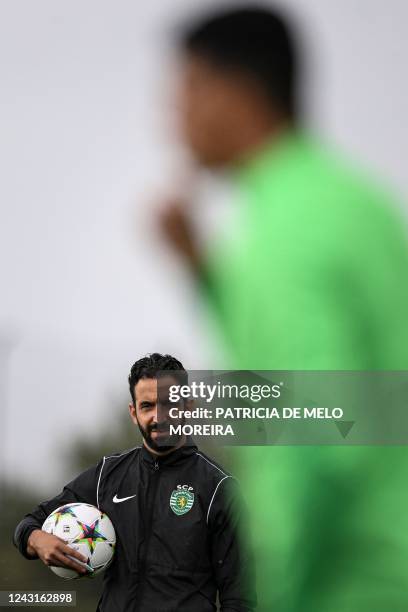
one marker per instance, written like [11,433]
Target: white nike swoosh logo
[117,500]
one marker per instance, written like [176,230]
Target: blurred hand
[52,550]
[178,230]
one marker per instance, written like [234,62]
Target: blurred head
[237,83]
[149,382]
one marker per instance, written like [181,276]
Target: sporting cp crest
[181,500]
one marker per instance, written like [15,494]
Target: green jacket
[314,276]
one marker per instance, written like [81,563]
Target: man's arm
[33,543]
[232,559]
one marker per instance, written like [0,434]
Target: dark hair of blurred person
[239,83]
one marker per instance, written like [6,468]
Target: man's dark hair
[253,40]
[153,366]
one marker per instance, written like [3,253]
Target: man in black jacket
[178,516]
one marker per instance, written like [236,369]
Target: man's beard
[162,444]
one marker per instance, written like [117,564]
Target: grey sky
[87,286]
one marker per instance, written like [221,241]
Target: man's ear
[132,412]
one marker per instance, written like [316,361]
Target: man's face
[151,412]
[214,107]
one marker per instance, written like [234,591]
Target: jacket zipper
[149,511]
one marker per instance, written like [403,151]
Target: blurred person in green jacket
[314,276]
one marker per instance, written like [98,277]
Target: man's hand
[179,232]
[53,551]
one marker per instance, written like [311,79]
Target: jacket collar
[188,449]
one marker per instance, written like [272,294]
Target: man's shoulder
[323,177]
[332,205]
[223,489]
[113,460]
[211,467]
[121,453]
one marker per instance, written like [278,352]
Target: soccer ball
[86,529]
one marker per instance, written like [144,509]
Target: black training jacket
[169,557]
